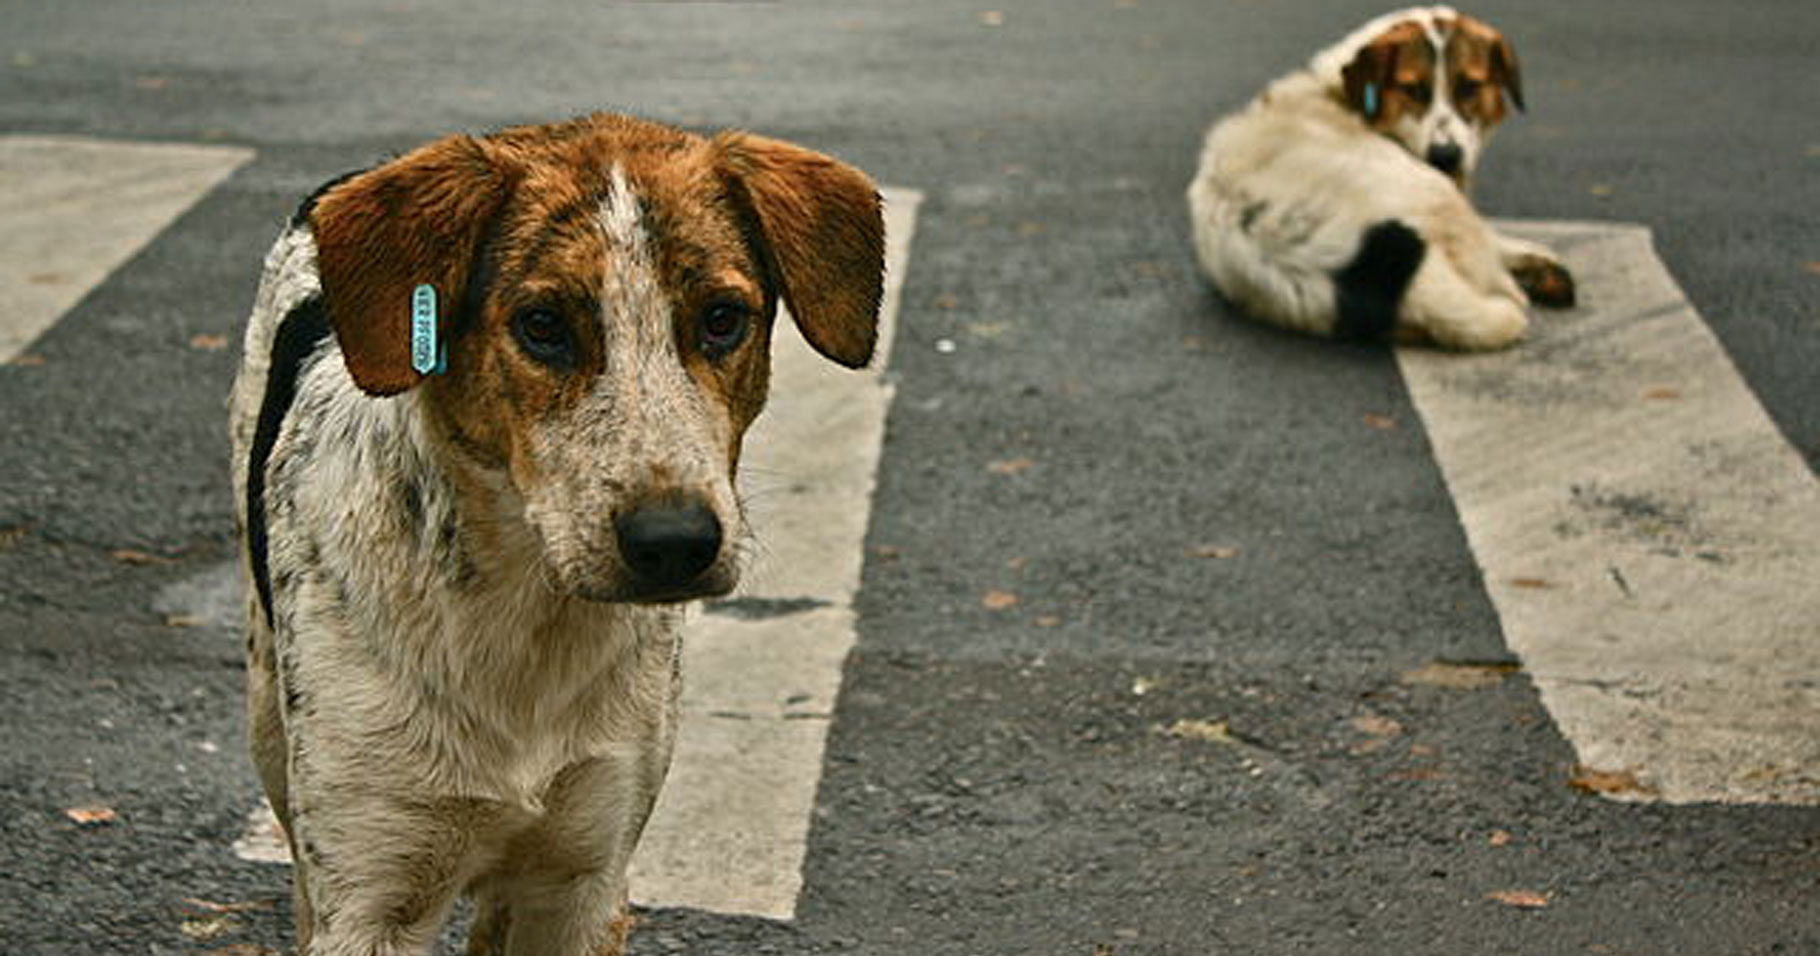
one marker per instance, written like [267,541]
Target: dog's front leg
[380,871]
[1538,270]
[565,892]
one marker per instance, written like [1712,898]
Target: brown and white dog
[1335,202]
[466,557]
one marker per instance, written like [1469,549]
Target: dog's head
[1429,78]
[607,288]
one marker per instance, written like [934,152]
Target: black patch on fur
[302,215]
[298,336]
[1248,216]
[1368,289]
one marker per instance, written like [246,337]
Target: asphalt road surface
[1170,638]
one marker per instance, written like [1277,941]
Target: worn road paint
[761,671]
[1650,540]
[76,208]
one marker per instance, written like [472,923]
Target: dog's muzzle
[1446,157]
[669,549]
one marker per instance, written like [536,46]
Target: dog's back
[1284,207]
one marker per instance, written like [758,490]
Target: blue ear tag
[428,355]
[1371,101]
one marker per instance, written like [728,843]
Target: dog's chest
[416,628]
[480,704]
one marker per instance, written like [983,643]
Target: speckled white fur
[434,714]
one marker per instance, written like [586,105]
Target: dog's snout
[668,545]
[1446,157]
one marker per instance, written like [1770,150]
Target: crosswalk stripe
[761,672]
[1650,540]
[75,208]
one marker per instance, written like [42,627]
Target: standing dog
[1335,202]
[485,437]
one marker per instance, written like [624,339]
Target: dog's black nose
[668,545]
[1446,157]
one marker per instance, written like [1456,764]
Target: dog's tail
[1368,290]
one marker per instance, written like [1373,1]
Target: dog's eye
[1421,92]
[1466,89]
[723,328]
[544,336]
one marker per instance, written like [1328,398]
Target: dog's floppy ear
[416,220]
[1505,72]
[822,229]
[1483,43]
[1369,74]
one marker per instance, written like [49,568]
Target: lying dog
[485,437]
[1335,202]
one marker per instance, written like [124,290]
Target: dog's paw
[1545,280]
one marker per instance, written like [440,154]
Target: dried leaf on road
[1532,584]
[996,600]
[1608,782]
[1218,551]
[1499,838]
[92,815]
[1382,423]
[130,556]
[1375,725]
[1522,899]
[1213,731]
[1457,676]
[208,343]
[206,928]
[210,906]
[1009,466]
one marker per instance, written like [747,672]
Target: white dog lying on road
[1335,202]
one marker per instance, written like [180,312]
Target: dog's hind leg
[1453,313]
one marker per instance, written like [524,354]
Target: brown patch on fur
[382,233]
[619,931]
[1399,63]
[824,231]
[510,223]
[1481,68]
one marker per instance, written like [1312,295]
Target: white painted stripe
[1650,540]
[76,208]
[732,822]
